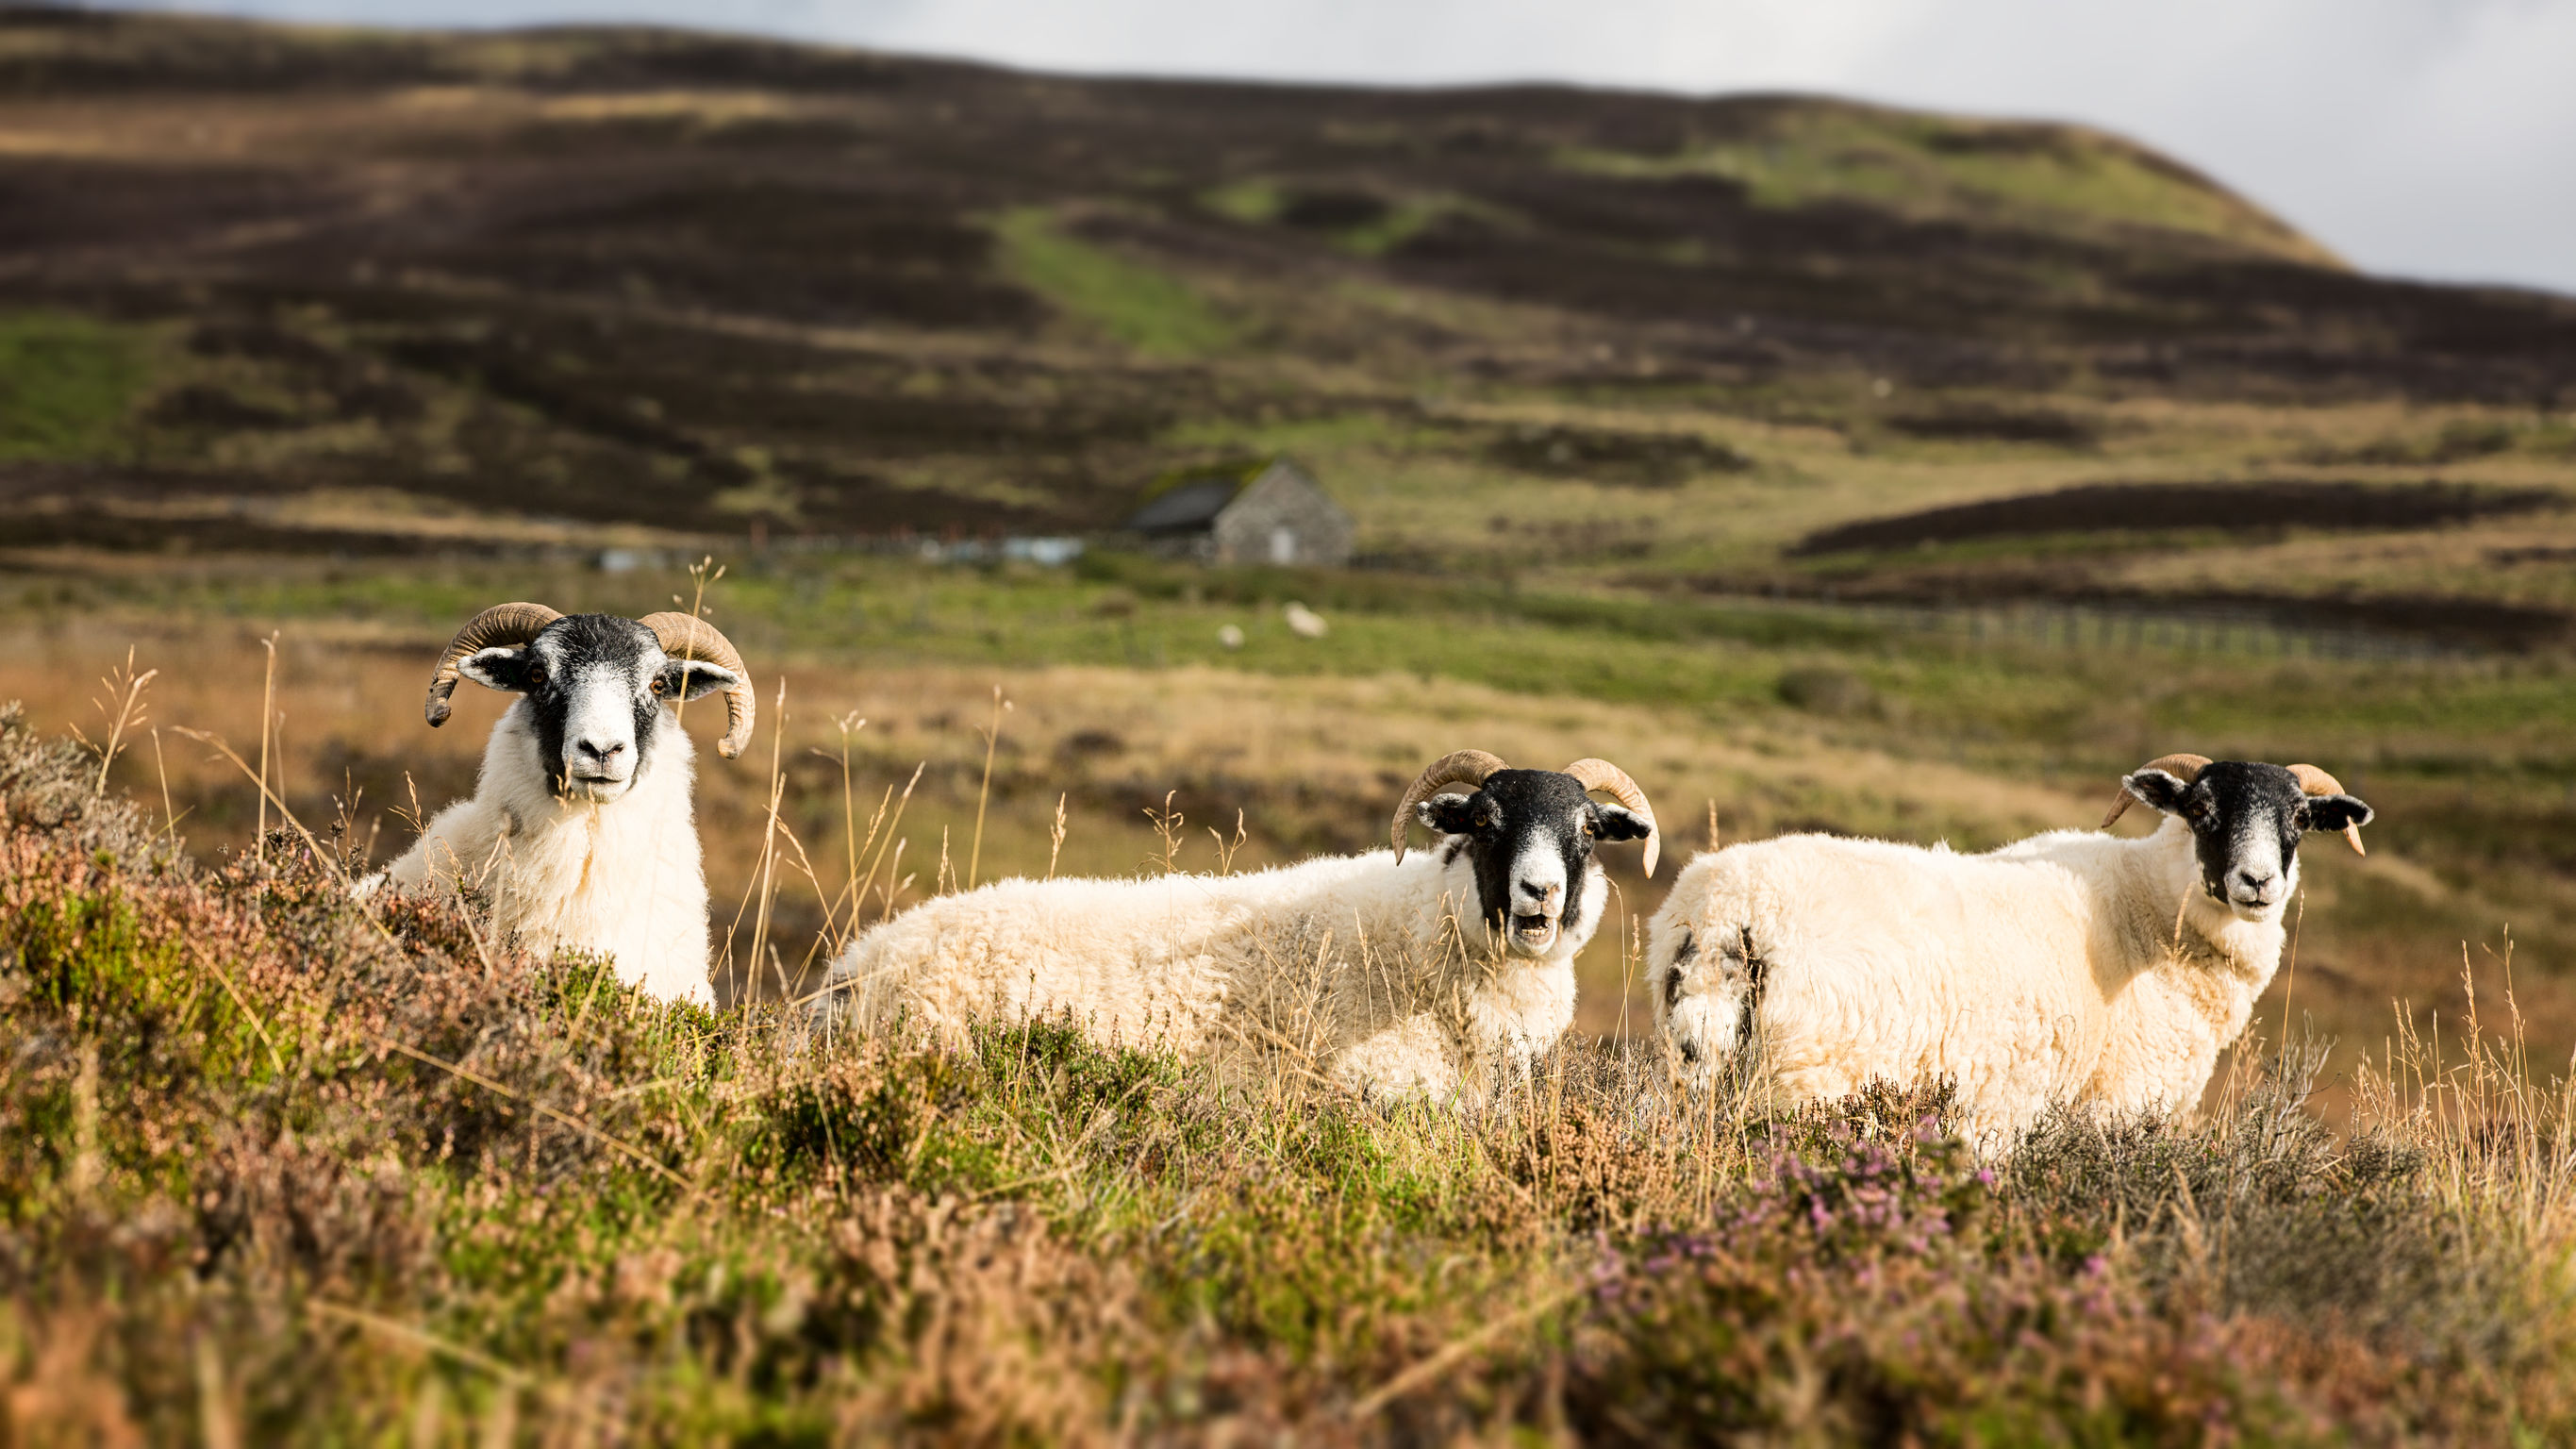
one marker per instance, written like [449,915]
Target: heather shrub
[277,1168]
[1871,1285]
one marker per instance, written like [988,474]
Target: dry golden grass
[1313,763]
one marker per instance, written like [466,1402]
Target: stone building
[1265,511]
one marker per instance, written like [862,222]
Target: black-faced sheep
[1440,975]
[2072,966]
[580,833]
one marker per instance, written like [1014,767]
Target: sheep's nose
[602,752]
[2257,883]
[1545,895]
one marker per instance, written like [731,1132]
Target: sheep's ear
[691,678]
[1452,814]
[2335,812]
[1617,822]
[503,667]
[2156,789]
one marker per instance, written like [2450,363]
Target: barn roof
[1189,500]
[1186,506]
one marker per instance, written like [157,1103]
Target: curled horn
[686,636]
[1461,767]
[1610,779]
[2185,768]
[2313,781]
[495,626]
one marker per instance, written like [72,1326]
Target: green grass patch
[2053,177]
[1141,306]
[1401,223]
[67,385]
[1251,202]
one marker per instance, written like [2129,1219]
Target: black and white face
[595,686]
[2246,819]
[1528,835]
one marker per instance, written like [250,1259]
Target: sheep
[2068,967]
[579,834]
[1435,977]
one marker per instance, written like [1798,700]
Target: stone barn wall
[1284,517]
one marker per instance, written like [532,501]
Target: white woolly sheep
[2069,967]
[580,834]
[1440,976]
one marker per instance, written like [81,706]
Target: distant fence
[2114,628]
[2234,629]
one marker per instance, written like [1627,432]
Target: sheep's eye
[536,675]
[658,685]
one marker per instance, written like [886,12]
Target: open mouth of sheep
[1535,932]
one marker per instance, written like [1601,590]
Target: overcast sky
[2429,138]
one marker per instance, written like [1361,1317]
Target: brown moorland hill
[712,284]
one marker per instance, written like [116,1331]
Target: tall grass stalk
[161,769]
[267,704]
[267,796]
[702,575]
[848,725]
[889,837]
[1055,834]
[123,710]
[838,929]
[768,873]
[984,791]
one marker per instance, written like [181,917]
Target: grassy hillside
[719,287]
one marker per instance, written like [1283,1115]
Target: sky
[2422,138]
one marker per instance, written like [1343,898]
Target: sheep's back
[1129,960]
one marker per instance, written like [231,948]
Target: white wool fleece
[2048,971]
[1383,967]
[621,879]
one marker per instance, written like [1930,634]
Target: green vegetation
[1254,201]
[68,385]
[1399,224]
[1375,226]
[275,1171]
[1140,306]
[1956,169]
[2027,681]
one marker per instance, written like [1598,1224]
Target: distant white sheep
[580,832]
[2068,967]
[1438,976]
